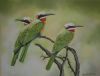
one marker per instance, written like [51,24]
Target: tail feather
[15,56]
[23,54]
[50,63]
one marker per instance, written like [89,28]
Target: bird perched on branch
[62,40]
[27,35]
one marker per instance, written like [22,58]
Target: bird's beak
[18,20]
[79,26]
[48,14]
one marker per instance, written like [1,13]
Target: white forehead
[26,18]
[69,24]
[41,13]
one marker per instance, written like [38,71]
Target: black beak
[79,26]
[48,14]
[44,15]
[25,21]
[19,20]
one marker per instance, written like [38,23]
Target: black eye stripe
[27,21]
[70,27]
[40,16]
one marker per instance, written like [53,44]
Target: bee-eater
[63,39]
[27,35]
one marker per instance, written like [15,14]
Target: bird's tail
[15,56]
[50,63]
[23,54]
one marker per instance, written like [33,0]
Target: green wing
[33,33]
[62,40]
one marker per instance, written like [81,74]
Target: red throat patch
[43,20]
[71,29]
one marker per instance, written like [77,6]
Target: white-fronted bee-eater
[62,40]
[27,35]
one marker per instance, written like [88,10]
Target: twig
[40,36]
[61,66]
[69,63]
[77,66]
[47,38]
[49,54]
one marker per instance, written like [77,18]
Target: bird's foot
[61,57]
[44,57]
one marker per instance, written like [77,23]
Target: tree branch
[68,61]
[61,65]
[77,66]
[47,38]
[49,54]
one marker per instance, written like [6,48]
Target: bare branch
[40,36]
[47,38]
[49,54]
[61,65]
[61,71]
[77,66]
[69,63]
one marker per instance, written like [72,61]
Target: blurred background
[86,40]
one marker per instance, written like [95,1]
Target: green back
[29,33]
[62,40]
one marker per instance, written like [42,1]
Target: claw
[61,57]
[64,58]
[44,57]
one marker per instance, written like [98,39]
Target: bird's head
[42,16]
[71,27]
[25,20]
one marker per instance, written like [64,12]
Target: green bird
[27,35]
[62,40]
